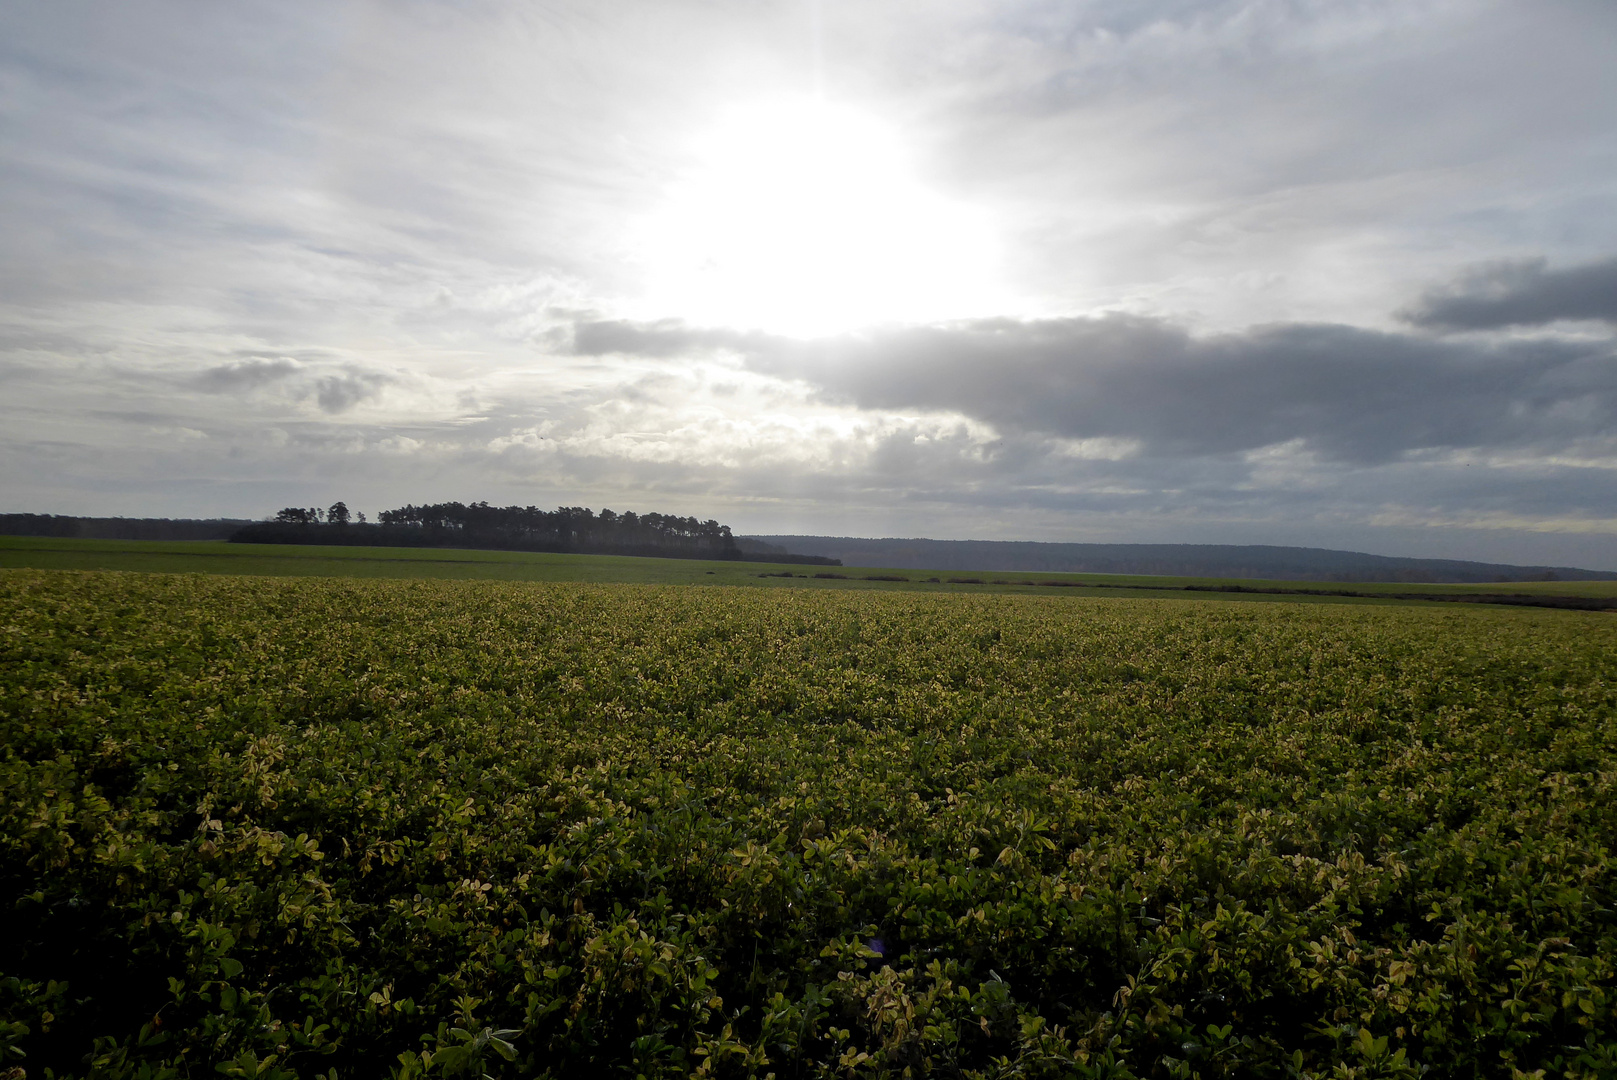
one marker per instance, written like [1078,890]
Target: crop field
[218,557]
[314,826]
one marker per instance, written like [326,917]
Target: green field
[311,826]
[53,553]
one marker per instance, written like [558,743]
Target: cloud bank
[1348,394]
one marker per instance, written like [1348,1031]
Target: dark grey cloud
[1521,293]
[662,339]
[334,392]
[247,374]
[339,393]
[1347,393]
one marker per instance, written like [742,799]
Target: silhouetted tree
[338,514]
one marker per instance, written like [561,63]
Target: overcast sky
[1341,274]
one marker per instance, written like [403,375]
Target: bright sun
[805,218]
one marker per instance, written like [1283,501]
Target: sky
[1339,274]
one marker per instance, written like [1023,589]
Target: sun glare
[806,218]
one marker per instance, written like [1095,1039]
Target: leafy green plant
[279,828]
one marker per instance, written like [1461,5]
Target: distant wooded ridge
[1175,560]
[118,528]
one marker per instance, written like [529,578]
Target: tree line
[569,526]
[479,524]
